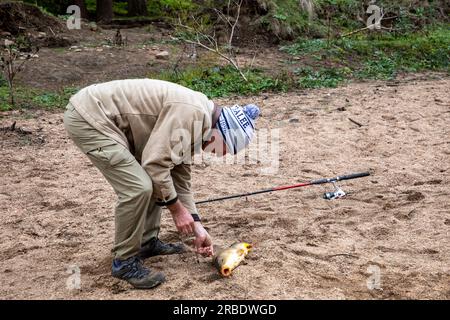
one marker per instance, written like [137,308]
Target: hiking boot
[155,247]
[134,272]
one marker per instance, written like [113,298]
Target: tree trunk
[104,11]
[82,5]
[137,8]
[11,93]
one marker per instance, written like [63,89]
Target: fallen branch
[369,27]
[13,128]
[355,122]
[343,255]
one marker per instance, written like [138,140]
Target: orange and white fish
[228,259]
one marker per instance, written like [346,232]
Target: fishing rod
[337,193]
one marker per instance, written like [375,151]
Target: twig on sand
[343,255]
[355,122]
[187,242]
[52,31]
[13,128]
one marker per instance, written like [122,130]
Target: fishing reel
[336,194]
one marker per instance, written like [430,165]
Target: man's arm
[170,139]
[181,175]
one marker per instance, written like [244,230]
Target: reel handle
[329,195]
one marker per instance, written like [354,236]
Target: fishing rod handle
[340,178]
[353,176]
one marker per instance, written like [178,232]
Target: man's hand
[182,218]
[203,241]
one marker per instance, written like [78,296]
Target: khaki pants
[137,217]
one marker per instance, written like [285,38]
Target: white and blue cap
[236,124]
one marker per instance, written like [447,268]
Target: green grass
[381,68]
[170,8]
[30,98]
[284,19]
[155,8]
[225,81]
[305,46]
[334,63]
[324,77]
[380,57]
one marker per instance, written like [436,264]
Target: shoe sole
[156,282]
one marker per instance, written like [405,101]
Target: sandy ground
[57,210]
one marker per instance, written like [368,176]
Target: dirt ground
[388,239]
[57,210]
[93,58]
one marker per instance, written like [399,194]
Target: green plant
[171,8]
[4,97]
[304,46]
[218,81]
[380,57]
[27,98]
[120,8]
[54,100]
[324,77]
[50,7]
[11,63]
[382,67]
[284,18]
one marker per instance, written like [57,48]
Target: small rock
[78,50]
[42,35]
[99,50]
[341,109]
[415,196]
[163,55]
[73,48]
[294,120]
[8,43]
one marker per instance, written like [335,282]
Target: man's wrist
[198,227]
[162,203]
[175,207]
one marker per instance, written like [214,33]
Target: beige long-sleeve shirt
[161,123]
